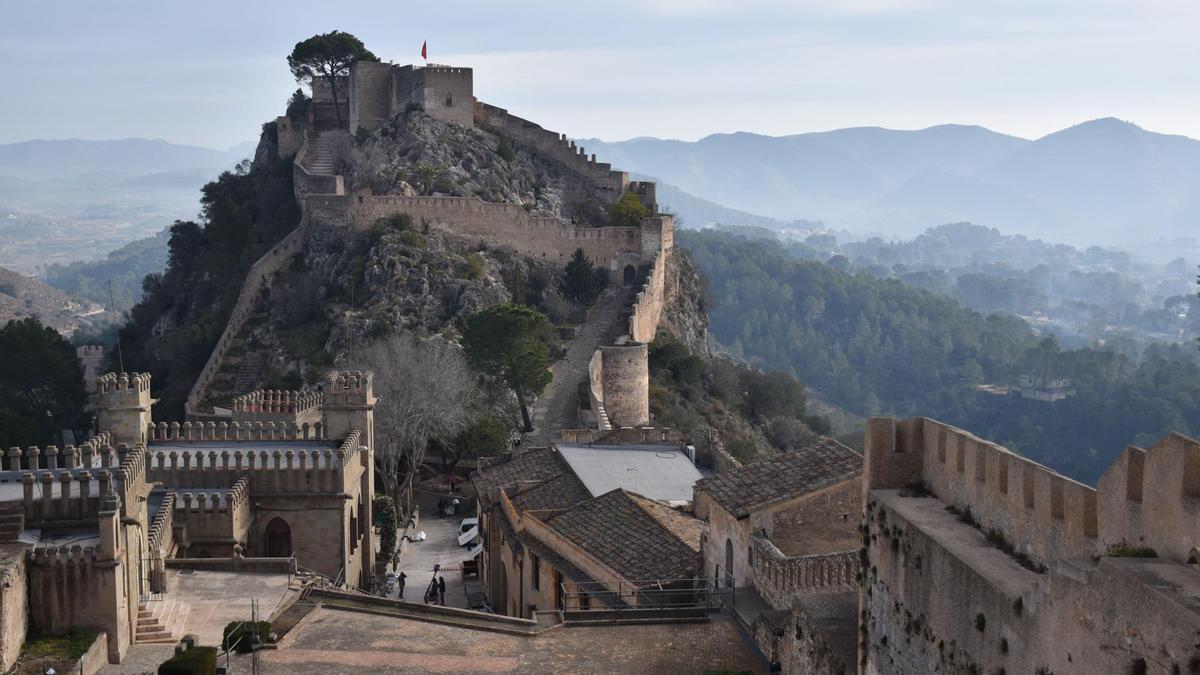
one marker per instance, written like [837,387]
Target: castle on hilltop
[618,374]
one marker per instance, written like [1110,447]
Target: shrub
[1124,551]
[627,211]
[237,635]
[505,150]
[195,661]
[361,135]
[386,520]
[475,266]
[397,221]
[412,239]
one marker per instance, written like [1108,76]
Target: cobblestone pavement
[555,409]
[440,547]
[335,641]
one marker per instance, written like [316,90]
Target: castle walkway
[557,408]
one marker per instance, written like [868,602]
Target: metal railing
[662,595]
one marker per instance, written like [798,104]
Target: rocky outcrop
[685,312]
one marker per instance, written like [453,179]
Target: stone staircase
[322,149]
[249,372]
[12,520]
[161,622]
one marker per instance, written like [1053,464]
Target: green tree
[581,282]
[627,211]
[328,55]
[507,343]
[384,509]
[41,386]
[486,436]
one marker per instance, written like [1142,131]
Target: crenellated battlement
[310,470]
[123,382]
[97,451]
[234,431]
[124,402]
[51,556]
[65,496]
[1041,513]
[161,539]
[276,402]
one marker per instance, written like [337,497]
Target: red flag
[423,52]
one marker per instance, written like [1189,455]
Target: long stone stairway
[162,621]
[556,409]
[322,149]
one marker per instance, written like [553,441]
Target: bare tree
[426,392]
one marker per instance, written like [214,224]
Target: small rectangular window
[536,572]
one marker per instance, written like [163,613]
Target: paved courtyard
[441,548]
[336,641]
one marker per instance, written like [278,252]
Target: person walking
[400,585]
[442,591]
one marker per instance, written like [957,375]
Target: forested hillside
[878,346]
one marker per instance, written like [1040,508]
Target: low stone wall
[95,658]
[779,578]
[244,565]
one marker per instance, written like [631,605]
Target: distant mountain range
[1100,182]
[41,159]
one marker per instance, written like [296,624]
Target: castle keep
[91,533]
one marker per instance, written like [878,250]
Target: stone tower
[124,406]
[350,405]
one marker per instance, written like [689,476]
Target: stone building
[979,560]
[783,533]
[87,531]
[560,531]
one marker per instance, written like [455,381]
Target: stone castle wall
[779,579]
[538,236]
[270,263]
[1041,513]
[14,607]
[609,182]
[626,384]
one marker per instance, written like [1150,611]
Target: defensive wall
[539,236]
[779,578]
[270,263]
[1035,560]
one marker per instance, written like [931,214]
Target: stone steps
[321,153]
[161,622]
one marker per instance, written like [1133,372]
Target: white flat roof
[656,471]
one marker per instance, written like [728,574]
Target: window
[449,100]
[536,571]
[585,601]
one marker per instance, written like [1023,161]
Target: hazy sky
[208,73]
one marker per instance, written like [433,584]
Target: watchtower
[124,406]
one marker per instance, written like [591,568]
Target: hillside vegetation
[879,346]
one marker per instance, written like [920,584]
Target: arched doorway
[278,539]
[729,563]
[1193,560]
[629,276]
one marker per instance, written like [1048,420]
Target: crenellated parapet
[270,471]
[1039,512]
[780,578]
[97,451]
[161,539]
[175,432]
[123,406]
[277,405]
[64,496]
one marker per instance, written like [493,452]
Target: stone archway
[629,276]
[1193,559]
[278,539]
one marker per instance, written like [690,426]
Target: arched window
[278,539]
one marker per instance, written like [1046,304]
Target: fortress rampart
[554,146]
[271,262]
[275,405]
[1039,564]
[1041,513]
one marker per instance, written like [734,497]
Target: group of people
[435,594]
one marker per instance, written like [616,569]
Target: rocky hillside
[22,296]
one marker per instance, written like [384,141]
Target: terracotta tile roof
[685,527]
[532,466]
[755,486]
[621,531]
[556,494]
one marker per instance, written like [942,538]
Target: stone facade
[1040,577]
[292,478]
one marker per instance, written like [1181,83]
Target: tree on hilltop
[329,56]
[627,211]
[507,343]
[582,282]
